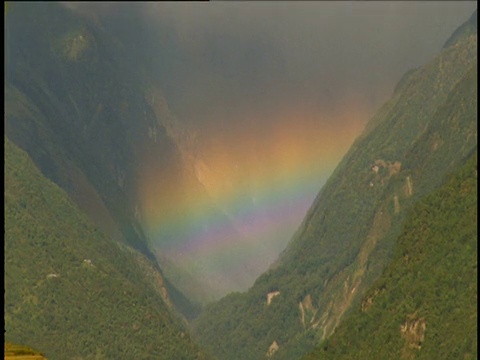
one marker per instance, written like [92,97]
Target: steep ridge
[202,278]
[465,30]
[419,136]
[86,110]
[72,291]
[71,102]
[424,306]
[79,110]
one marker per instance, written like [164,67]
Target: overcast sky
[242,55]
[222,58]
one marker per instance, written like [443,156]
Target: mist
[231,57]
[254,56]
[276,92]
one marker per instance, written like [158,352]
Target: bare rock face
[272,349]
[307,311]
[271,295]
[413,331]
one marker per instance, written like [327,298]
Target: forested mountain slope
[423,133]
[424,306]
[70,290]
[86,110]
[465,30]
[79,112]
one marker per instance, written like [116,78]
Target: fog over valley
[241,180]
[269,96]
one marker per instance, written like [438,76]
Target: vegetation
[85,285]
[346,240]
[70,290]
[69,99]
[424,306]
[80,111]
[82,105]
[463,31]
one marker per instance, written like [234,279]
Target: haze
[275,93]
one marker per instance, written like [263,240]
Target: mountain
[72,291]
[80,112]
[424,132]
[198,217]
[424,306]
[88,113]
[468,28]
[98,168]
[70,104]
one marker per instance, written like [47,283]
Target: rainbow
[257,191]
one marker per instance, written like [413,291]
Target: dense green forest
[383,265]
[80,110]
[424,306]
[71,291]
[74,106]
[420,135]
[82,105]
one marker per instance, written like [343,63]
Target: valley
[189,187]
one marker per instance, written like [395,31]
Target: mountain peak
[468,28]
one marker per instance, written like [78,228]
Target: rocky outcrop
[413,331]
[307,311]
[271,295]
[272,349]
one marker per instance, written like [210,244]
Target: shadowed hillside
[86,111]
